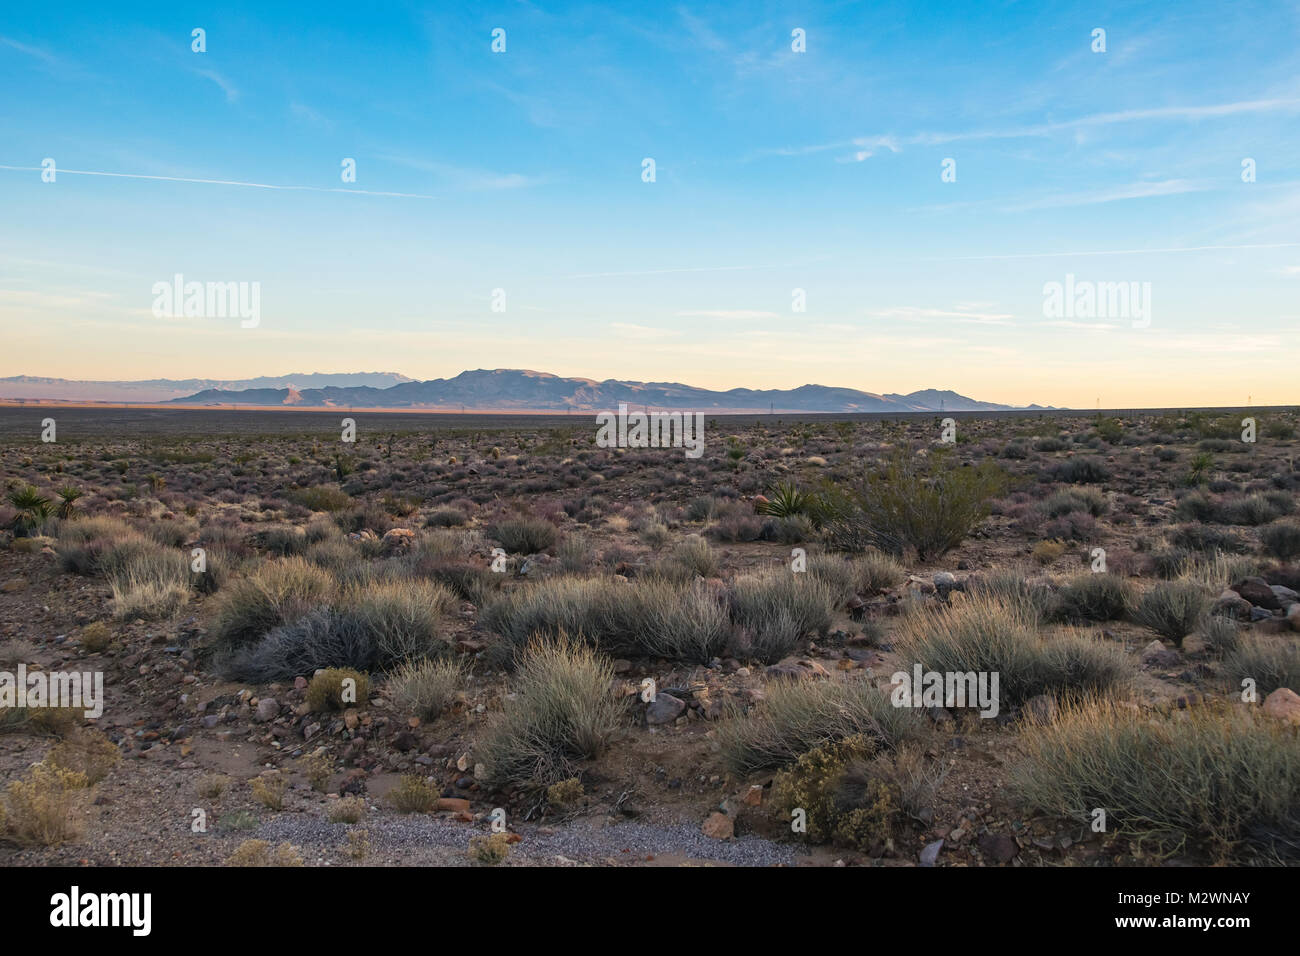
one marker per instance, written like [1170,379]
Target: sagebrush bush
[649,617]
[276,593]
[926,504]
[797,716]
[1093,597]
[1217,781]
[524,535]
[563,711]
[772,611]
[1281,540]
[1173,609]
[87,752]
[842,798]
[1270,663]
[982,634]
[261,853]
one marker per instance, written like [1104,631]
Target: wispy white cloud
[727,314]
[227,87]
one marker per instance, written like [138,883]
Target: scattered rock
[268,708]
[1156,654]
[1284,704]
[1258,592]
[931,853]
[998,847]
[664,709]
[718,826]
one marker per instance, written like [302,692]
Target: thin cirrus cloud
[864,147]
[726,314]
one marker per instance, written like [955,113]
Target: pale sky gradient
[776,170]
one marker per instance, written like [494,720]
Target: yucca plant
[34,509]
[68,496]
[787,500]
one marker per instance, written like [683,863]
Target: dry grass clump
[563,711]
[46,807]
[403,617]
[212,785]
[984,634]
[413,794]
[1012,586]
[151,584]
[1270,662]
[565,793]
[426,688]
[797,716]
[1217,781]
[346,810]
[490,849]
[87,752]
[269,791]
[337,688]
[773,611]
[319,768]
[261,853]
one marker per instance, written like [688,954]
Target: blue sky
[776,170]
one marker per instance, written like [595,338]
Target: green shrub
[927,504]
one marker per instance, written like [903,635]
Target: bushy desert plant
[1219,781]
[426,688]
[925,504]
[1093,597]
[1173,609]
[797,716]
[563,711]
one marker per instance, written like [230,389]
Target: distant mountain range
[523,390]
[483,390]
[166,389]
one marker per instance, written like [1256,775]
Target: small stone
[718,826]
[754,796]
[267,709]
[931,853]
[998,847]
[1156,654]
[454,804]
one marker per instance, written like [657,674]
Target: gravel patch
[574,842]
